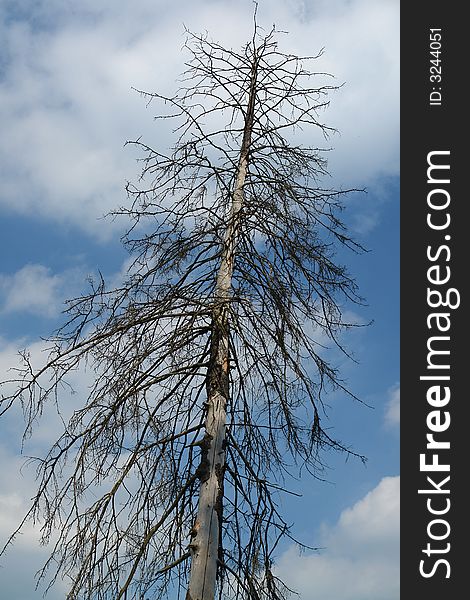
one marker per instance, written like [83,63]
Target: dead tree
[208,361]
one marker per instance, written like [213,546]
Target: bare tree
[208,364]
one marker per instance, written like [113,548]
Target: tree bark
[206,534]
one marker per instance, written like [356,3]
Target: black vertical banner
[435,231]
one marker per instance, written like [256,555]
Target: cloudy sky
[66,110]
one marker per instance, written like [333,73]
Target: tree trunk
[206,533]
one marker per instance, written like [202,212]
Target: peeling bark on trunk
[206,534]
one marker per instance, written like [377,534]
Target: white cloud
[25,556]
[392,408]
[35,289]
[13,504]
[67,108]
[361,556]
[32,289]
[50,423]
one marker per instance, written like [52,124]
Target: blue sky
[66,110]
